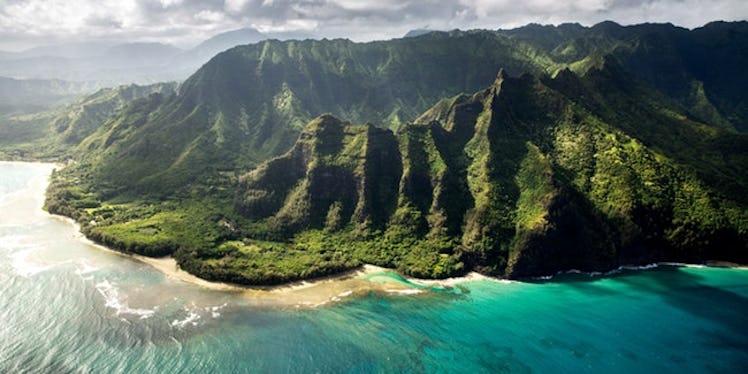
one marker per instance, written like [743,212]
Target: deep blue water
[68,307]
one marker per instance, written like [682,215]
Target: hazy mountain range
[47,76]
[106,64]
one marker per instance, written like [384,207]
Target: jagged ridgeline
[250,103]
[518,179]
[623,145]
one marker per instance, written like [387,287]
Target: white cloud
[209,16]
[33,22]
[235,6]
[170,3]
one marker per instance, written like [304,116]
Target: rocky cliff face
[519,179]
[336,175]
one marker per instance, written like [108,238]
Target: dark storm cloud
[29,22]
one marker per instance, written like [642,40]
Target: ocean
[67,306]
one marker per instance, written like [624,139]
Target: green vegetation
[51,134]
[519,179]
[610,146]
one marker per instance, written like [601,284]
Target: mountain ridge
[575,156]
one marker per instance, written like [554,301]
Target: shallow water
[66,306]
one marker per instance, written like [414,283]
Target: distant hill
[19,96]
[139,54]
[108,64]
[223,41]
[51,133]
[98,64]
[417,32]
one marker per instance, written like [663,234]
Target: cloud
[185,22]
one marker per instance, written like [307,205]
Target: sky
[184,23]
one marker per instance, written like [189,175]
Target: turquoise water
[69,307]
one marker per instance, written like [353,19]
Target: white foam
[696,266]
[113,300]
[192,319]
[16,242]
[544,277]
[85,268]
[13,196]
[25,267]
[341,295]
[667,263]
[214,310]
[640,267]
[409,291]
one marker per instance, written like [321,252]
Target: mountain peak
[417,32]
[322,123]
[501,76]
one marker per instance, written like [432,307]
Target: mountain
[616,145]
[676,61]
[417,32]
[50,134]
[239,122]
[139,54]
[220,123]
[23,96]
[221,42]
[520,179]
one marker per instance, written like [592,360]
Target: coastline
[317,292]
[301,294]
[320,291]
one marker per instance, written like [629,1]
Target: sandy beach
[302,294]
[315,292]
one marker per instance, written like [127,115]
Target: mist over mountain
[102,65]
[25,96]
[107,64]
[49,133]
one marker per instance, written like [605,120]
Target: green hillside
[701,69]
[250,103]
[516,180]
[51,134]
[614,145]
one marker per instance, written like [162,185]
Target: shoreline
[305,293]
[300,294]
[653,265]
[327,289]
[333,288]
